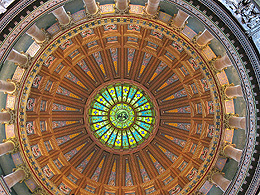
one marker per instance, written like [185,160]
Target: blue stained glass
[140,102]
[112,93]
[145,106]
[143,125]
[119,92]
[125,141]
[131,94]
[100,106]
[102,130]
[106,95]
[96,119]
[131,140]
[141,131]
[125,92]
[112,139]
[137,96]
[102,100]
[137,137]
[146,113]
[121,116]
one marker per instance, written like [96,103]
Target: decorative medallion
[121,115]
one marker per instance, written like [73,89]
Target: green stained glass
[121,116]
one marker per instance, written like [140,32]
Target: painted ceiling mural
[125,105]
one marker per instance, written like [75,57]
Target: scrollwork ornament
[211,173]
[47,38]
[213,67]
[224,145]
[40,191]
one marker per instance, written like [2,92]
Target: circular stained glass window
[121,116]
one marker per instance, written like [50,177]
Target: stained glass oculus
[121,116]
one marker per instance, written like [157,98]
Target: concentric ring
[121,115]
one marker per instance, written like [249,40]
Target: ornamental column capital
[15,142]
[212,64]
[21,59]
[40,191]
[213,172]
[151,16]
[179,21]
[217,178]
[12,114]
[227,117]
[223,91]
[202,39]
[16,87]
[24,168]
[224,145]
[126,7]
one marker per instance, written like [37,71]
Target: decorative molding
[252,58]
[39,191]
[246,12]
[252,65]
[4,188]
[47,38]
[17,87]
[211,173]
[145,23]
[212,65]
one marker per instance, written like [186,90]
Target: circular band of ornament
[146,23]
[120,116]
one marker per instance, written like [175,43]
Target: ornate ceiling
[120,97]
[121,105]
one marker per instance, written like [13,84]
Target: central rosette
[121,116]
